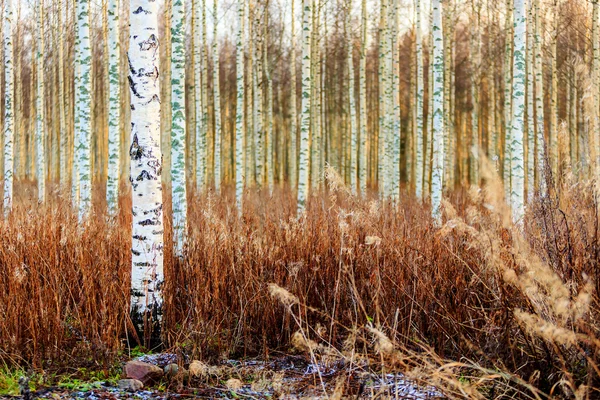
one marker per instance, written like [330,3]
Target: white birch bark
[146,159]
[539,105]
[217,101]
[437,169]
[114,114]
[239,115]
[419,159]
[383,104]
[64,132]
[39,108]
[198,109]
[9,121]
[395,103]
[518,114]
[362,151]
[305,115]
[352,102]
[83,100]
[178,124]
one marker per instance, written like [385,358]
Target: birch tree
[420,162]
[83,99]
[518,114]
[39,108]
[114,114]
[9,122]
[437,171]
[178,124]
[362,151]
[539,102]
[305,115]
[239,115]
[352,101]
[217,101]
[293,158]
[146,161]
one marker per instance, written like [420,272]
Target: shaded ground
[286,377]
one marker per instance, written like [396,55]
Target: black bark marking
[143,264]
[154,98]
[132,85]
[150,43]
[135,252]
[144,175]
[135,151]
[147,222]
[139,237]
[141,10]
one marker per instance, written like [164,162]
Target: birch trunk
[518,114]
[83,100]
[9,122]
[362,151]
[437,169]
[352,102]
[506,167]
[64,132]
[395,125]
[178,124]
[293,158]
[529,186]
[217,101]
[146,161]
[305,116]
[39,108]
[419,145]
[239,115]
[114,115]
[539,104]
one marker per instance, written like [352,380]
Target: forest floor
[281,377]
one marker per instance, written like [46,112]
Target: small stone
[171,370]
[142,371]
[130,385]
[234,384]
[198,369]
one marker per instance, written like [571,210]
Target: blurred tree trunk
[39,126]
[362,150]
[518,114]
[419,94]
[239,116]
[437,169]
[9,122]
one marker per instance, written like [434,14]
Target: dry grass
[515,308]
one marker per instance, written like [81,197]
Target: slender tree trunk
[518,114]
[507,99]
[178,124]
[419,145]
[114,112]
[293,157]
[83,122]
[554,98]
[217,101]
[539,104]
[395,94]
[9,123]
[146,164]
[529,186]
[64,132]
[352,101]
[437,169]
[475,85]
[239,115]
[362,151]
[305,116]
[40,126]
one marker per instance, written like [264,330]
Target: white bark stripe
[9,122]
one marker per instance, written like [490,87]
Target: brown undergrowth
[475,303]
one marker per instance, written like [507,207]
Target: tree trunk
[146,166]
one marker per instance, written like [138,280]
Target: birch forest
[403,196]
